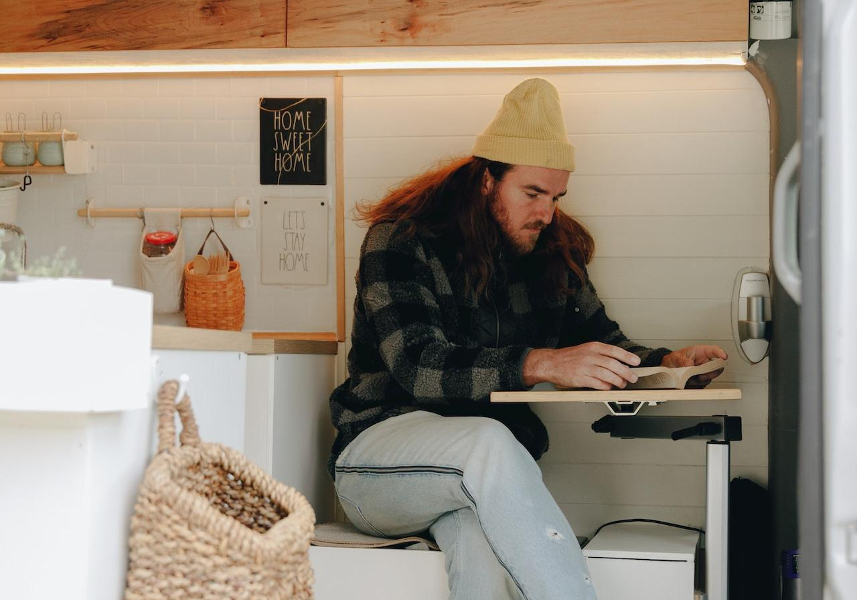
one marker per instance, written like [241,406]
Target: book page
[685,373]
[662,378]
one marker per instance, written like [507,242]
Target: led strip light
[339,60]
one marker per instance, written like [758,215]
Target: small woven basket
[214,301]
[210,525]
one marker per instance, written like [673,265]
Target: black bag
[752,568]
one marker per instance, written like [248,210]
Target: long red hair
[448,201]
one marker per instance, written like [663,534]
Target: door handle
[784,222]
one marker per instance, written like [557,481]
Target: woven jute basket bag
[210,525]
[214,301]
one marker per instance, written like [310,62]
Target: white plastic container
[770,20]
[76,419]
[9,200]
[643,561]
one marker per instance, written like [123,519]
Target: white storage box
[75,423]
[378,574]
[642,561]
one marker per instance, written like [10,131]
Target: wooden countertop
[165,337]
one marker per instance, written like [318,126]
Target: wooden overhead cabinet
[326,23]
[69,25]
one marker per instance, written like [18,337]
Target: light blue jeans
[480,494]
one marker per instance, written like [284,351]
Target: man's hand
[592,365]
[695,355]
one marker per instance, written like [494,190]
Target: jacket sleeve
[590,323]
[402,299]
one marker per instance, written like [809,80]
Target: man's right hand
[591,365]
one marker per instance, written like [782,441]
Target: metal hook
[45,125]
[27,179]
[9,122]
[184,379]
[211,216]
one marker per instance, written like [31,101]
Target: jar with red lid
[159,243]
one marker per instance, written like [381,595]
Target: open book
[670,378]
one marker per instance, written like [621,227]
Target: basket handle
[166,420]
[222,243]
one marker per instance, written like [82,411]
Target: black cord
[687,527]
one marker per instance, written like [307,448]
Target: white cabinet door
[217,388]
[288,428]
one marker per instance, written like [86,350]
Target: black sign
[292,141]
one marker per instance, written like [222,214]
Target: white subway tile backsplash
[162,196]
[213,175]
[51,106]
[87,108]
[124,195]
[214,131]
[245,131]
[162,153]
[198,195]
[124,152]
[176,174]
[213,87]
[198,153]
[32,88]
[141,174]
[197,108]
[287,87]
[161,108]
[67,88]
[104,131]
[100,88]
[124,108]
[178,131]
[235,153]
[176,87]
[142,131]
[143,87]
[247,175]
[109,174]
[250,87]
[238,108]
[17,106]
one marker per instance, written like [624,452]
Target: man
[472,280]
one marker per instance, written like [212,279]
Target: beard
[516,242]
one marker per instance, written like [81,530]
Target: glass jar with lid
[159,243]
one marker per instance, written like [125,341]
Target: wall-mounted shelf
[84,162]
[37,136]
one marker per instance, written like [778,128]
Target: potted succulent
[13,263]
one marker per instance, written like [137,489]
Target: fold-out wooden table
[624,421]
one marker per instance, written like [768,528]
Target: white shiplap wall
[672,180]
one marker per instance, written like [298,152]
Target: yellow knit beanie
[528,129]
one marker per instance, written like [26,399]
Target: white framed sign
[294,241]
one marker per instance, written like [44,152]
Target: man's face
[523,203]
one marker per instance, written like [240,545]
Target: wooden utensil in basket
[214,300]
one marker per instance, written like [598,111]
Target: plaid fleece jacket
[415,337]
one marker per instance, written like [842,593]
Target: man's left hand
[695,355]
